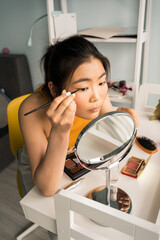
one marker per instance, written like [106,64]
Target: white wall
[154,54]
[17,16]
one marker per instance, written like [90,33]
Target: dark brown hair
[64,57]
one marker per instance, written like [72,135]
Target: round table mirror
[107,137]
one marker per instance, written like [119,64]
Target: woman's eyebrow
[88,79]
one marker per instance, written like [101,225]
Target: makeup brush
[146,144]
[47,104]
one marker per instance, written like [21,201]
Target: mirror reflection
[105,137]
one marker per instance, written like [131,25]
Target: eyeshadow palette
[74,169]
[134,167]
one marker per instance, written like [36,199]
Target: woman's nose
[94,97]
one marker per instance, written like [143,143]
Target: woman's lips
[94,109]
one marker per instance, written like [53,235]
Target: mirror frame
[109,156]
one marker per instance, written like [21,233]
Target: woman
[73,64]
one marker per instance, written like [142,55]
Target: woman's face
[90,78]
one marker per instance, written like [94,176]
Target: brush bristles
[147,143]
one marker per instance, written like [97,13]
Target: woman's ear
[52,89]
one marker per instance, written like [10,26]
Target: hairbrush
[146,144]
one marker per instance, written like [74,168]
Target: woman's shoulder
[33,101]
[36,121]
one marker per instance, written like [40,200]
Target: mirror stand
[108,189]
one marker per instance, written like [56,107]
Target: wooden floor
[12,220]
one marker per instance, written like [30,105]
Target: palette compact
[73,168]
[134,167]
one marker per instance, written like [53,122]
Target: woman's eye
[83,89]
[102,83]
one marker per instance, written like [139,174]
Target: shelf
[120,39]
[138,35]
[127,99]
[111,40]
[114,39]
[118,96]
[110,34]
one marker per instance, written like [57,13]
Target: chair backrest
[145,90]
[122,225]
[15,136]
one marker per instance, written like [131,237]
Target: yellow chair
[16,142]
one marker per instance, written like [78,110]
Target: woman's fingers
[62,111]
[59,104]
[57,101]
[66,104]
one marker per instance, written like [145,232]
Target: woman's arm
[47,158]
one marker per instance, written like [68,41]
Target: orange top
[78,125]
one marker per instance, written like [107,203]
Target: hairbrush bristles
[146,144]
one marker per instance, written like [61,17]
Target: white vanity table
[144,191]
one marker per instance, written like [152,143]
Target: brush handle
[148,160]
[36,109]
[45,105]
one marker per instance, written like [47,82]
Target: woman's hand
[132,112]
[61,112]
